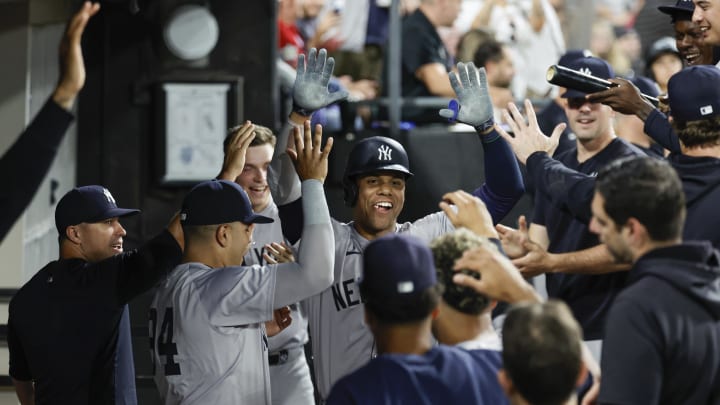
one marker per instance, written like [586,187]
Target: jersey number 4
[165,345]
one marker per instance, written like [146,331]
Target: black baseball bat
[573,79]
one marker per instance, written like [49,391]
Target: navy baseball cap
[396,265]
[683,9]
[572,55]
[589,65]
[216,202]
[87,204]
[646,85]
[694,93]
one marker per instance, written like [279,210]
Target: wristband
[302,111]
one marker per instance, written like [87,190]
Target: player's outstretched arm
[316,256]
[504,185]
[28,160]
[310,93]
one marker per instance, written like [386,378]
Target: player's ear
[72,233]
[222,235]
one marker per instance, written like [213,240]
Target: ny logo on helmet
[108,196]
[384,153]
[586,71]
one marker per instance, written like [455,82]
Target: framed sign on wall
[192,119]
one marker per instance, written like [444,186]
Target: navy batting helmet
[371,155]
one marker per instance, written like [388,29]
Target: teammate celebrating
[206,320]
[248,166]
[374,183]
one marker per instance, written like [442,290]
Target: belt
[277,358]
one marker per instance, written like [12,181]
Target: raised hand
[528,137]
[310,159]
[473,105]
[276,253]
[310,91]
[72,65]
[470,213]
[513,240]
[236,151]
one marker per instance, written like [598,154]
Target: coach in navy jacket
[662,336]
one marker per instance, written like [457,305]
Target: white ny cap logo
[585,70]
[384,152]
[108,196]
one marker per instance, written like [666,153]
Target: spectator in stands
[470,42]
[663,60]
[498,63]
[621,13]
[425,60]
[532,32]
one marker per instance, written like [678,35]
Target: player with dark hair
[64,323]
[576,265]
[625,98]
[401,295]
[464,318]
[668,316]
[542,354]
[694,99]
[374,183]
[248,165]
[208,338]
[707,17]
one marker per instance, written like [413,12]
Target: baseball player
[207,333]
[374,182]
[289,371]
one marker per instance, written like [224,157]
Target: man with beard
[497,61]
[663,330]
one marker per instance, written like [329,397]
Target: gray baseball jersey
[341,342]
[208,342]
[294,335]
[290,383]
[208,337]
